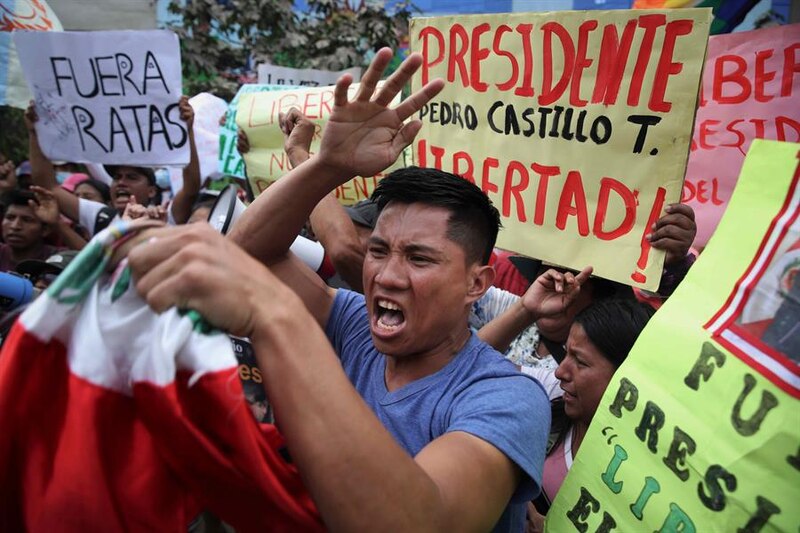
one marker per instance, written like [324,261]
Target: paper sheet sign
[258,114]
[576,124]
[106,97]
[699,429]
[303,77]
[751,89]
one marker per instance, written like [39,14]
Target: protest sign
[699,429]
[208,110]
[302,77]
[27,16]
[106,97]
[576,124]
[230,160]
[751,89]
[266,161]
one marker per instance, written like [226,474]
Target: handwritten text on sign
[576,124]
[751,90]
[258,115]
[689,437]
[106,97]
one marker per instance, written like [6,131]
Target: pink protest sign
[750,90]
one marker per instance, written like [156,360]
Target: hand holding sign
[364,136]
[298,132]
[674,232]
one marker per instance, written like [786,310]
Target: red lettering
[581,63]
[478,54]
[430,31]
[611,65]
[325,104]
[738,77]
[526,88]
[486,185]
[740,138]
[650,23]
[781,123]
[573,203]
[467,174]
[701,192]
[687,194]
[456,56]
[551,93]
[498,35]
[791,66]
[544,172]
[308,106]
[706,129]
[360,185]
[762,76]
[516,190]
[628,199]
[641,263]
[666,67]
[760,125]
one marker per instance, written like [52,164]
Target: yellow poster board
[699,430]
[257,114]
[576,124]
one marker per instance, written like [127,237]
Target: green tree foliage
[220,38]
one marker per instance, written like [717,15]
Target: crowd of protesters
[426,380]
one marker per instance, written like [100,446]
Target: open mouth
[388,316]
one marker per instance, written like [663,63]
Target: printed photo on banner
[257,115]
[699,429]
[230,160]
[302,77]
[751,90]
[106,97]
[576,124]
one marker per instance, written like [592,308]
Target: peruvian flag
[115,418]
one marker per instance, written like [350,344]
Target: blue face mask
[62,176]
[162,179]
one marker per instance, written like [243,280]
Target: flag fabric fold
[117,418]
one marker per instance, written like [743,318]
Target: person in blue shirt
[408,422]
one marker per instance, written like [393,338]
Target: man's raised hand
[365,136]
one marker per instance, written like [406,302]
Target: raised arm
[42,172]
[361,137]
[550,294]
[187,196]
[331,224]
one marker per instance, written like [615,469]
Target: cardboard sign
[25,16]
[699,429]
[106,97]
[252,380]
[303,77]
[230,160]
[576,124]
[751,90]
[267,161]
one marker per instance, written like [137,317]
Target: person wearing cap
[43,273]
[128,182]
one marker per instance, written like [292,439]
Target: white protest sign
[306,77]
[208,110]
[106,97]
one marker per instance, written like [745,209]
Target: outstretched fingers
[369,81]
[395,83]
[414,103]
[340,91]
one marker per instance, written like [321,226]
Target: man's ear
[46,230]
[480,281]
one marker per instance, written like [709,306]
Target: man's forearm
[338,236]
[501,332]
[269,226]
[70,237]
[359,477]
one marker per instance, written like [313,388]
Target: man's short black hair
[17,197]
[474,221]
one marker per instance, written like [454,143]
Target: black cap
[364,213]
[149,173]
[54,264]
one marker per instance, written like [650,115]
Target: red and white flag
[115,418]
